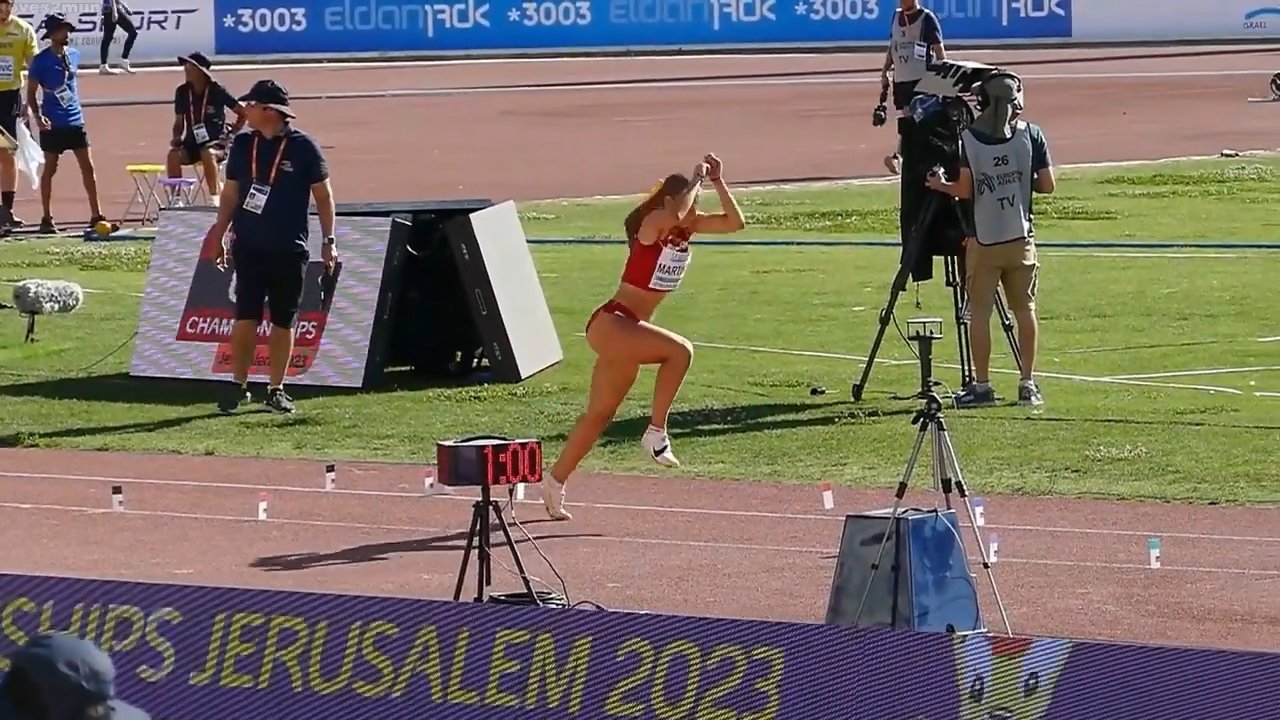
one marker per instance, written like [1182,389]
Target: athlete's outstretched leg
[611,380]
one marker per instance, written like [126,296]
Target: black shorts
[271,279]
[10,111]
[903,92]
[190,150]
[56,141]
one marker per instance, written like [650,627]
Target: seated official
[200,130]
[57,676]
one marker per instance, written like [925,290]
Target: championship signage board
[188,306]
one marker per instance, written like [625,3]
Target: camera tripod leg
[1010,331]
[959,302]
[910,253]
[942,479]
[466,553]
[898,495]
[963,492]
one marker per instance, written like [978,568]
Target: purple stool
[178,192]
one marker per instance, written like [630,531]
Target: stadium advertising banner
[267,27]
[186,652]
[166,28]
[188,306]
[1107,20]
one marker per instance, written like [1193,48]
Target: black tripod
[954,278]
[478,538]
[946,471]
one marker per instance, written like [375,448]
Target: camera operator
[1003,161]
[915,39]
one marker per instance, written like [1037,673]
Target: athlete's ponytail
[670,186]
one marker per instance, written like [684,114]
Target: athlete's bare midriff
[641,302]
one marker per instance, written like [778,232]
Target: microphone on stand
[45,297]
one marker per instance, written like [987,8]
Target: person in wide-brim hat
[270,95]
[197,61]
[54,22]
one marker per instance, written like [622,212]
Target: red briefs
[613,307]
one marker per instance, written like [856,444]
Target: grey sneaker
[1029,394]
[976,395]
[278,401]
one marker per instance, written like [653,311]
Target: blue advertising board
[294,27]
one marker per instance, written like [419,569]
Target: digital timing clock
[488,460]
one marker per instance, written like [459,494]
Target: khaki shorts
[1010,265]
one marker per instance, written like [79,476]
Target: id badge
[65,96]
[922,51]
[257,198]
[201,133]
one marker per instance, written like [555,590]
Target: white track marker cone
[262,506]
[993,545]
[519,491]
[828,497]
[979,512]
[117,497]
[428,481]
[330,476]
[1153,552]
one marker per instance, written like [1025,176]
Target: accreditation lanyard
[256,199]
[198,128]
[275,164]
[63,93]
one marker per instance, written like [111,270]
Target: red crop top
[659,267]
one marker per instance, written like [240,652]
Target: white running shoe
[657,447]
[553,497]
[107,70]
[124,65]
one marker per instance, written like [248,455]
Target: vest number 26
[1001,161]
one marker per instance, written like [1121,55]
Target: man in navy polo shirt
[57,114]
[272,175]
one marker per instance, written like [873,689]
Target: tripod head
[924,332]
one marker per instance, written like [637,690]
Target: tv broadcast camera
[932,224]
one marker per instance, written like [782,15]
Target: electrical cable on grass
[62,375]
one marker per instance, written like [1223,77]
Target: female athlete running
[620,331]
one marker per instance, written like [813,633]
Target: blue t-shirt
[281,227]
[54,72]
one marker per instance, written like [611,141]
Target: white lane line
[893,179]
[1002,371]
[603,506]
[1202,371]
[88,290]
[1270,339]
[615,539]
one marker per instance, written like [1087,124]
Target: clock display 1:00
[513,463]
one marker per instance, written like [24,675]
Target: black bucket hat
[54,21]
[269,93]
[199,61]
[74,675]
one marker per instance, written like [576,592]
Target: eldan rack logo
[1256,19]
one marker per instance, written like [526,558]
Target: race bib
[201,132]
[670,269]
[6,68]
[257,198]
[65,97]
[922,51]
